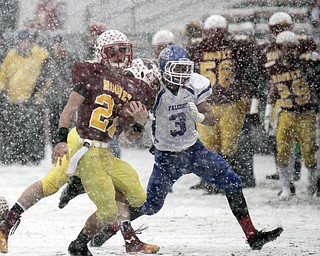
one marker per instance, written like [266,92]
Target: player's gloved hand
[194,113]
[267,123]
[139,112]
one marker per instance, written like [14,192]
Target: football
[125,118]
[4,208]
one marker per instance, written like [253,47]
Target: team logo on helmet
[166,54]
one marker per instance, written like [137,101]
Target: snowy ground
[189,224]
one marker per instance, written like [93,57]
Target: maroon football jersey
[290,84]
[223,61]
[105,93]
[267,52]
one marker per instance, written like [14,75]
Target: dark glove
[254,119]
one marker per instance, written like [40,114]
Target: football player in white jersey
[180,103]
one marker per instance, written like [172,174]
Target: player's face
[116,54]
[289,51]
[180,71]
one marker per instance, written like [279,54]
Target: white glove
[267,118]
[194,113]
[267,121]
[254,108]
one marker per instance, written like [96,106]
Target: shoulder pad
[82,71]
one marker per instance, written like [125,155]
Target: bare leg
[32,195]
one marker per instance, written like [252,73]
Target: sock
[82,238]
[239,209]
[247,227]
[128,233]
[12,220]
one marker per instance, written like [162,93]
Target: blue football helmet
[175,65]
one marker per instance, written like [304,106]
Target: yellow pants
[101,174]
[299,126]
[224,136]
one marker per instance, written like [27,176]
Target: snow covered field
[189,224]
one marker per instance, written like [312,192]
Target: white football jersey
[173,130]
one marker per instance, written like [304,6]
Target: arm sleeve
[81,89]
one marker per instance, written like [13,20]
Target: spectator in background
[9,15]
[160,40]
[59,72]
[22,86]
[48,16]
[95,29]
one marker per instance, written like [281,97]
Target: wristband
[63,134]
[268,110]
[200,118]
[254,109]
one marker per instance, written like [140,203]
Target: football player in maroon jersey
[267,52]
[294,86]
[99,94]
[57,176]
[224,60]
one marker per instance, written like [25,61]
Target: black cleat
[74,188]
[273,177]
[200,185]
[99,239]
[78,249]
[263,237]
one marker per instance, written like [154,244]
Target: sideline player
[267,52]
[225,61]
[294,85]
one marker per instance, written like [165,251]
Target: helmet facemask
[178,72]
[117,55]
[145,70]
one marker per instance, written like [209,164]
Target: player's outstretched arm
[61,149]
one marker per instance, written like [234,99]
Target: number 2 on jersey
[99,115]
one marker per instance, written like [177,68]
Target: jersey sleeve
[81,73]
[201,86]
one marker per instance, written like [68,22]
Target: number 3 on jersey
[224,71]
[100,115]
